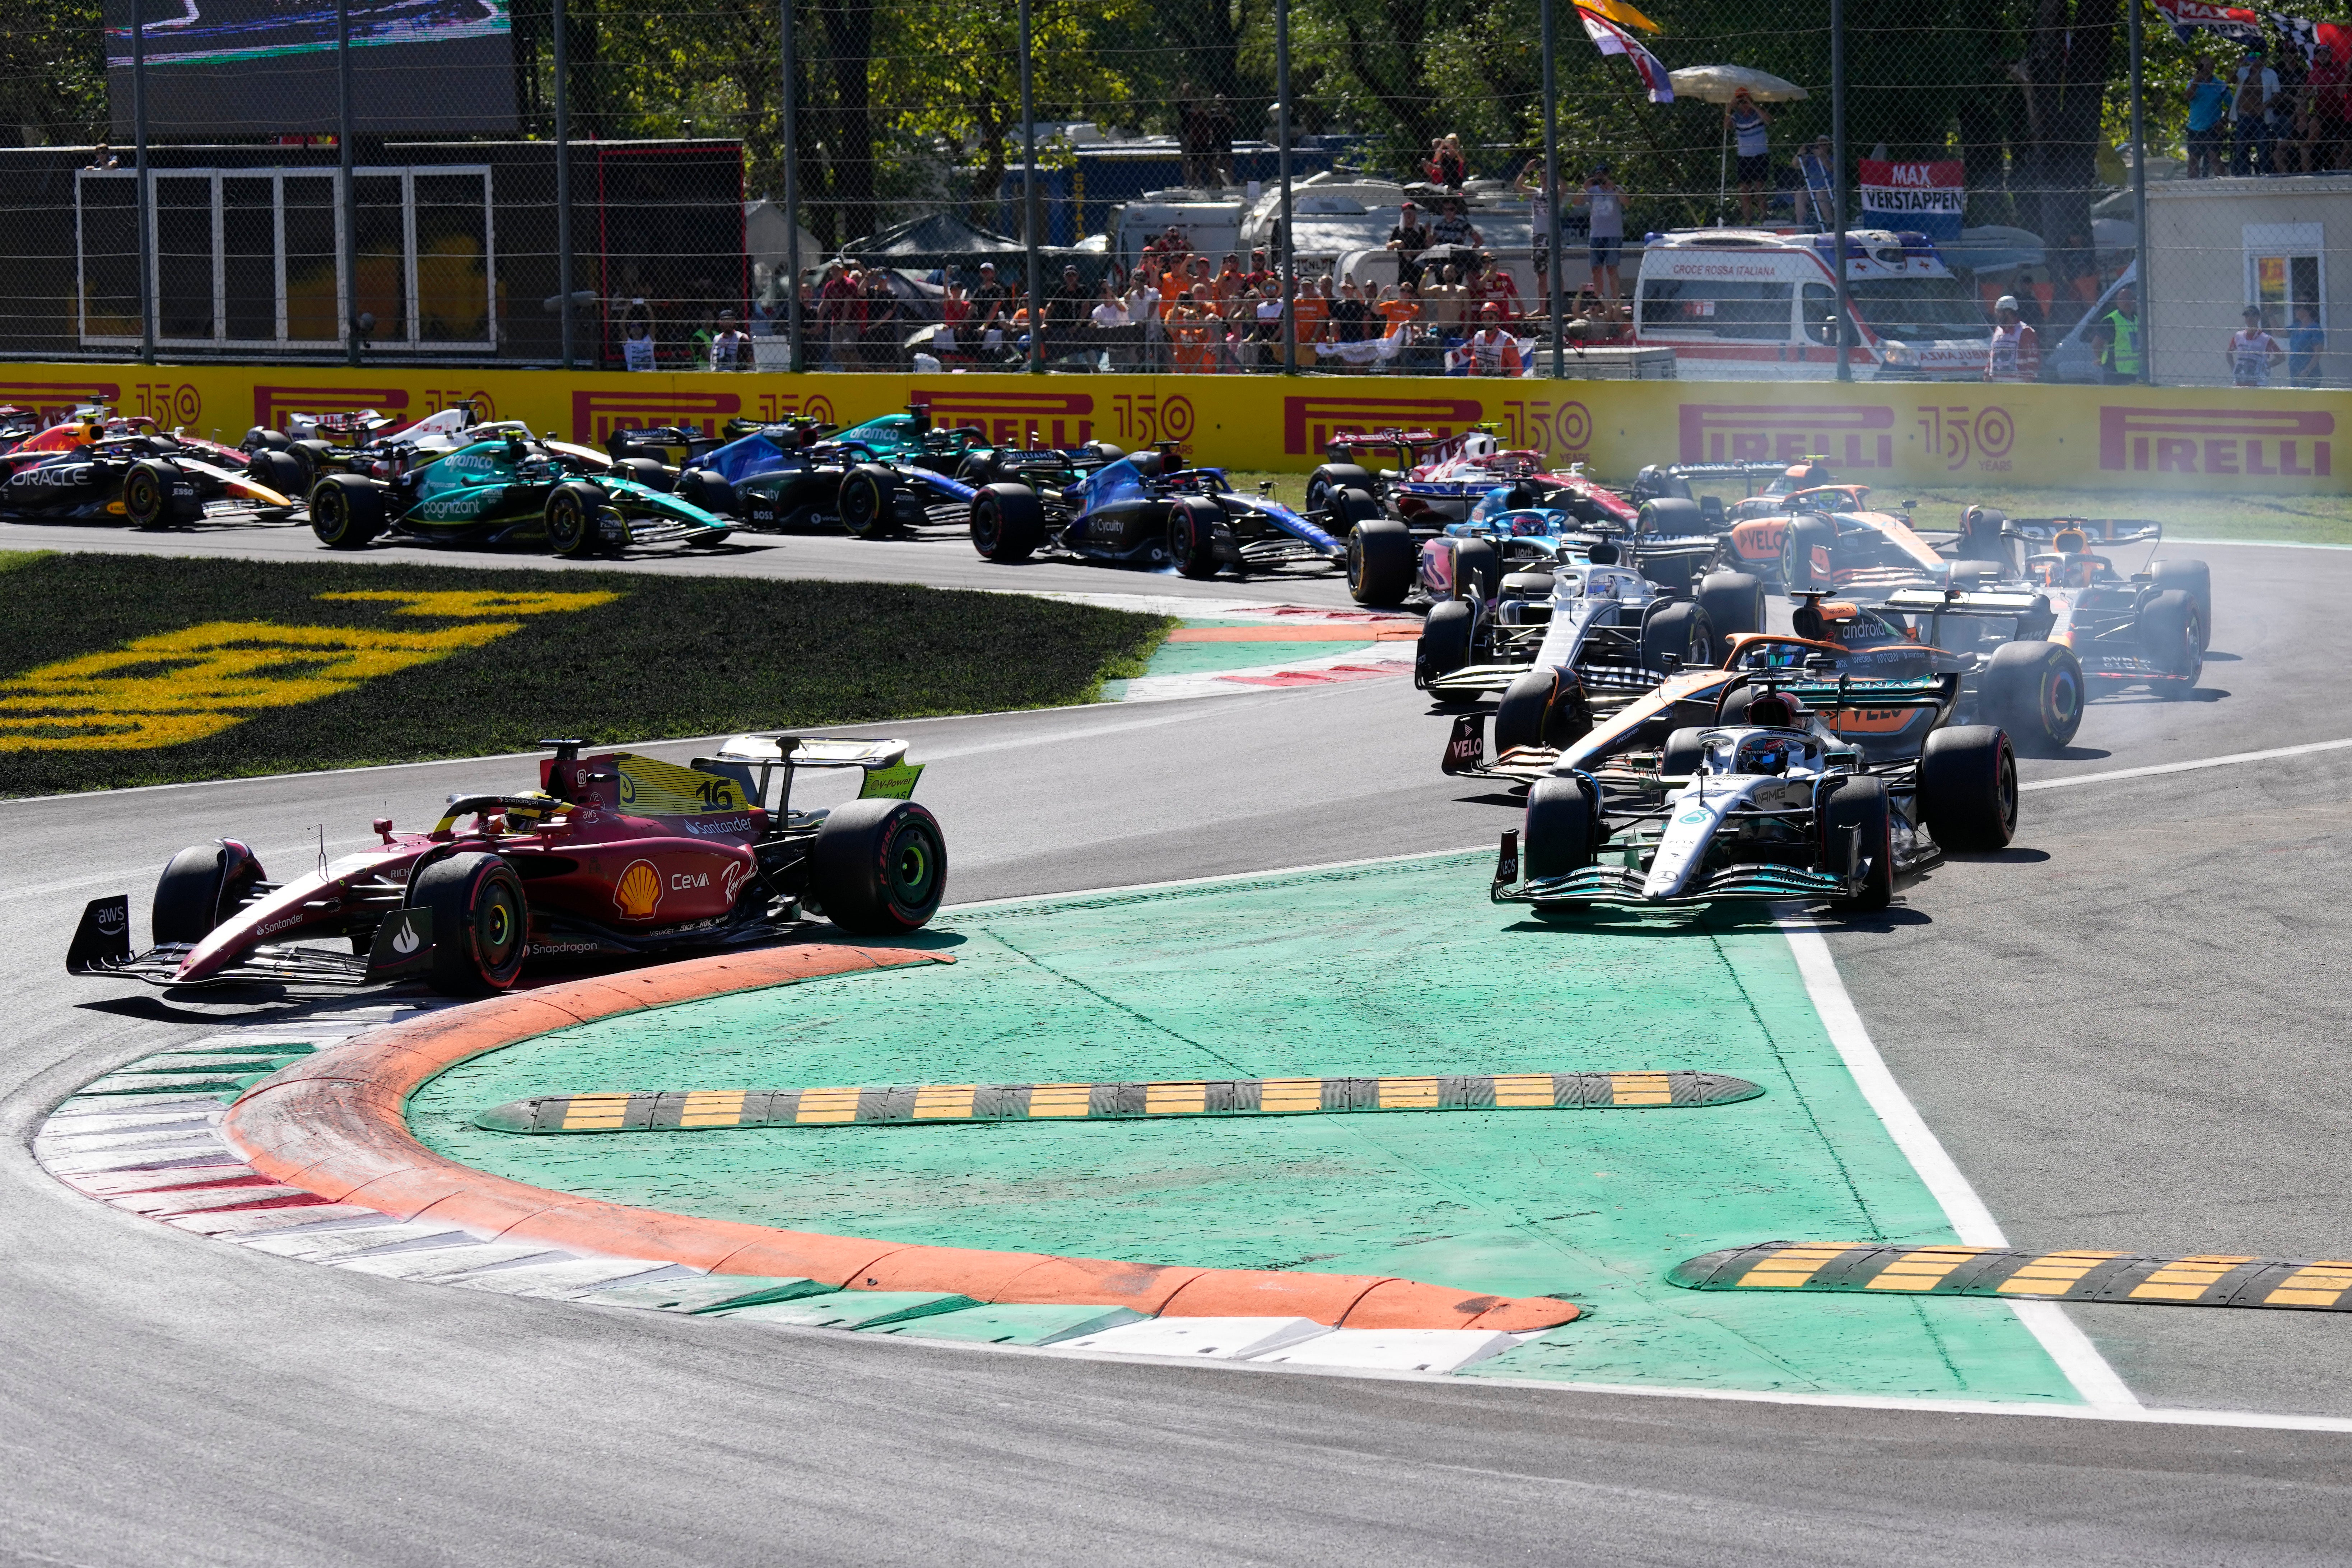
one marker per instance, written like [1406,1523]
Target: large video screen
[248,68]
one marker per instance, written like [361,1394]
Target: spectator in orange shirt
[1190,321]
[1400,308]
[1492,349]
[1311,317]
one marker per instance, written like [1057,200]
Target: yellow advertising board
[1949,434]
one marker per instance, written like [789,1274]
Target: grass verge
[122,670]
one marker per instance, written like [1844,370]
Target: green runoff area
[1392,968]
[410,672]
[2287,520]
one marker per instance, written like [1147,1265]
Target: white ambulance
[1745,304]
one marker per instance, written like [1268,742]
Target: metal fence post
[1837,182]
[1288,265]
[2139,205]
[146,207]
[1029,207]
[1551,197]
[792,148]
[563,178]
[344,249]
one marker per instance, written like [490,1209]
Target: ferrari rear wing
[889,774]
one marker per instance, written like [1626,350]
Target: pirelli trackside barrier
[1943,433]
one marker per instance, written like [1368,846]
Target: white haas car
[1750,304]
[1774,804]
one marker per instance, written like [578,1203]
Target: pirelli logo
[2217,441]
[2217,1279]
[1309,422]
[52,399]
[596,415]
[683,1110]
[272,403]
[1031,419]
[1850,437]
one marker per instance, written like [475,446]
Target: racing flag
[1611,39]
[1619,11]
[2233,22]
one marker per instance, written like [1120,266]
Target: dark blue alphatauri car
[1133,512]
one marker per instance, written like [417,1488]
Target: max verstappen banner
[1928,198]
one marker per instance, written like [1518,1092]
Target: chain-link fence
[1343,187]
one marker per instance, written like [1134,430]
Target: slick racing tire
[261,436]
[1192,536]
[869,497]
[650,472]
[708,490]
[1542,708]
[2035,690]
[1970,574]
[1331,479]
[1105,451]
[879,868]
[1980,537]
[316,457]
[346,512]
[978,469]
[1859,802]
[1682,754]
[1797,546]
[147,495]
[281,472]
[1348,510]
[1444,643]
[1680,628]
[1008,523]
[481,923]
[1734,602]
[1563,828]
[1478,570]
[1148,464]
[1380,561]
[1967,788]
[199,886]
[2195,579]
[1671,518]
[2172,638]
[572,511]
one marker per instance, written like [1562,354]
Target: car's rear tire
[280,470]
[978,469]
[1444,643]
[1980,537]
[1008,523]
[1734,602]
[1542,708]
[147,495]
[199,887]
[1804,536]
[1681,755]
[868,501]
[708,489]
[1477,569]
[1192,536]
[1860,803]
[879,868]
[1671,517]
[1349,509]
[650,472]
[316,457]
[2171,638]
[1562,830]
[1148,464]
[1967,788]
[1329,479]
[346,512]
[2195,579]
[2035,690]
[481,923]
[1680,628]
[1105,451]
[260,437]
[1380,561]
[572,516]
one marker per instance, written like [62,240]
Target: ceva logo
[1850,437]
[2217,441]
[1032,420]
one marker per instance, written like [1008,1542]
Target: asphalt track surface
[2124,1031]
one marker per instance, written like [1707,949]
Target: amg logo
[2216,441]
[53,399]
[596,415]
[1308,422]
[1767,432]
[271,404]
[1012,419]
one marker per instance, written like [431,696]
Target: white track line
[2232,760]
[2088,1371]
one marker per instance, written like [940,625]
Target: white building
[2218,246]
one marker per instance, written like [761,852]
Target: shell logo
[639,890]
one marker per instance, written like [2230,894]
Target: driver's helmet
[1765,753]
[1778,656]
[1528,524]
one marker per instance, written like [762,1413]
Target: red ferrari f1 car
[614,855]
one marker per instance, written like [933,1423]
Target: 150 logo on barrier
[1012,419]
[1561,430]
[771,406]
[1850,437]
[1146,417]
[1308,422]
[2216,441]
[1960,434]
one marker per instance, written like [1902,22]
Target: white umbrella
[1718,84]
